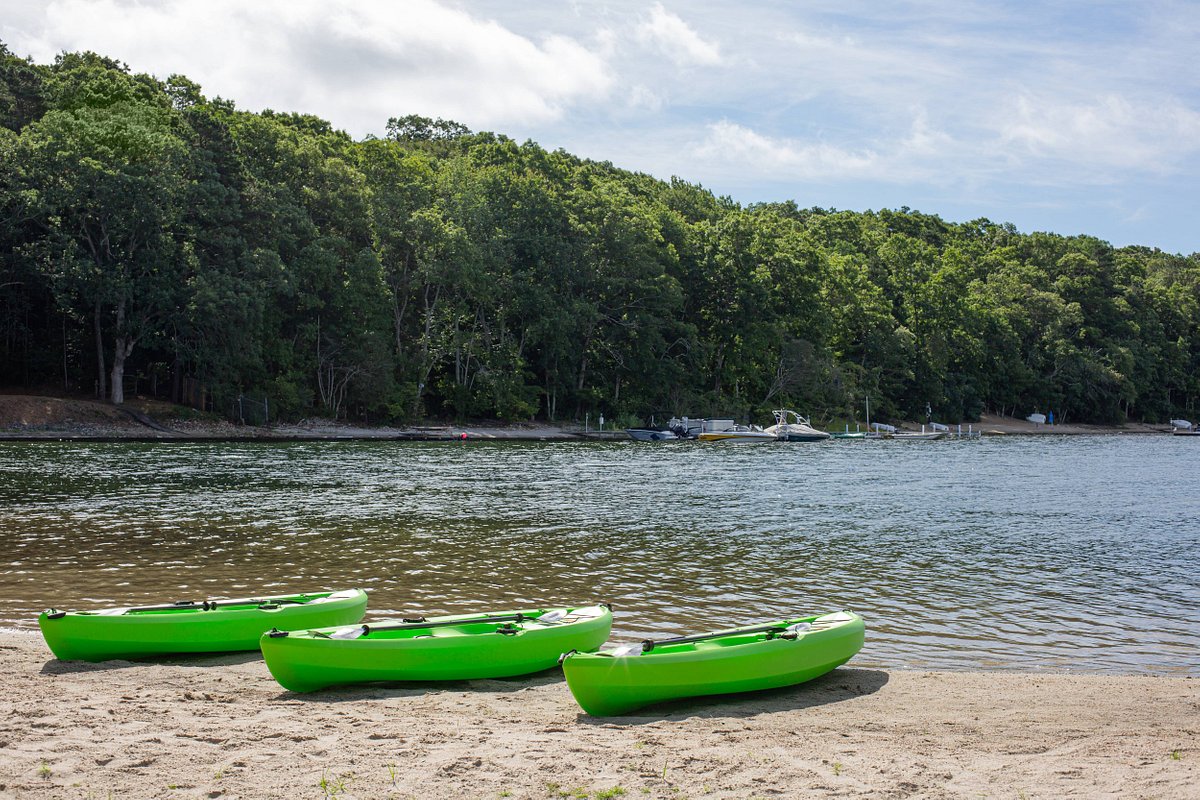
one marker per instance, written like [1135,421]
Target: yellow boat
[738,434]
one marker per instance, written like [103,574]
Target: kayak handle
[774,629]
[565,656]
[54,613]
[211,605]
[445,623]
[207,605]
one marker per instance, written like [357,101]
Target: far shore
[37,418]
[220,726]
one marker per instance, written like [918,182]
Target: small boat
[765,656]
[691,428]
[915,436]
[651,435]
[187,626]
[450,648]
[739,434]
[1183,427]
[791,427]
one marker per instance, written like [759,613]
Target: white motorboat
[791,427]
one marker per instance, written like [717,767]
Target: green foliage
[436,271]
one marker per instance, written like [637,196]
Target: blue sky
[1072,117]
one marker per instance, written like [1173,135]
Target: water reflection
[1063,553]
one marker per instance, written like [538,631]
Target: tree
[101,177]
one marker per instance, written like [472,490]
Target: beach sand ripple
[220,727]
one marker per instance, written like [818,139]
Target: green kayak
[502,644]
[210,626]
[763,656]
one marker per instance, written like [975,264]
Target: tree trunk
[123,346]
[118,372]
[426,364]
[176,375]
[102,381]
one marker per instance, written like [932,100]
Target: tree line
[147,230]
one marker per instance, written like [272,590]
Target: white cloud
[1106,132]
[353,62]
[744,149]
[676,39]
[644,98]
[921,153]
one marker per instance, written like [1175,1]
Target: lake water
[1029,553]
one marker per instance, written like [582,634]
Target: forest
[158,242]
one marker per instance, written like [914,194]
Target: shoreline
[219,726]
[27,418]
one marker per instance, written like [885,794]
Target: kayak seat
[626,650]
[335,596]
[348,633]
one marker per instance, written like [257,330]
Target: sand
[220,726]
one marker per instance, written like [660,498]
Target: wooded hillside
[152,235]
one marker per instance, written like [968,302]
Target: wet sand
[220,726]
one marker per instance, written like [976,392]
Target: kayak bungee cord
[771,630]
[419,626]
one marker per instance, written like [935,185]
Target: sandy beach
[221,727]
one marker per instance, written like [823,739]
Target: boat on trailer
[765,656]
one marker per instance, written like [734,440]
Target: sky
[1071,117]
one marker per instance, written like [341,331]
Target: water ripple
[1021,553]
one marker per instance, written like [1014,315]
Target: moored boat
[1183,427]
[651,435]
[187,626]
[791,427]
[739,434]
[750,658]
[460,647]
[917,436]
